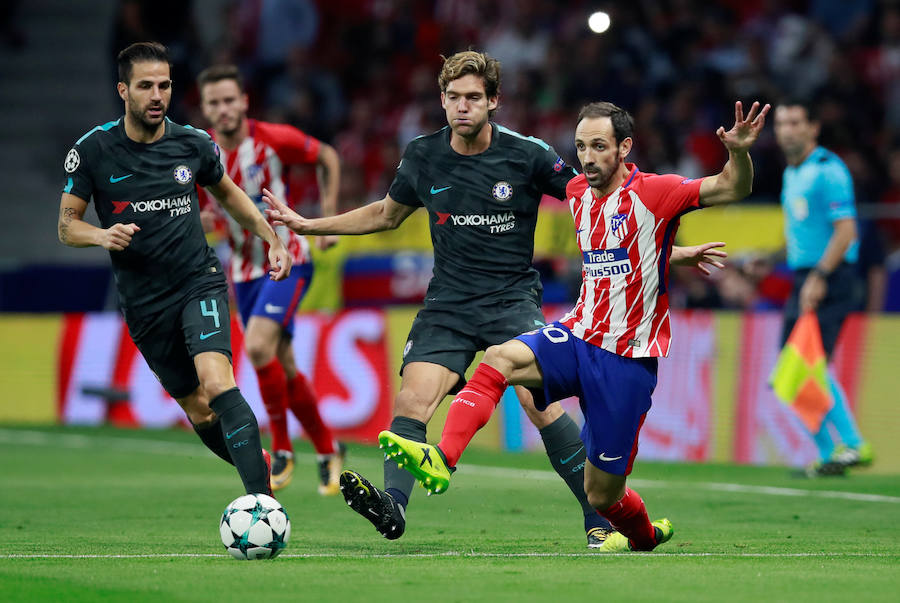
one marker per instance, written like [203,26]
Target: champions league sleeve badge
[73,160]
[502,191]
[183,174]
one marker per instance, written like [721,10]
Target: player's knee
[259,352]
[214,387]
[498,357]
[197,409]
[408,403]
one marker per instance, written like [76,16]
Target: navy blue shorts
[614,392]
[275,300]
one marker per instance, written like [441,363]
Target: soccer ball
[255,526]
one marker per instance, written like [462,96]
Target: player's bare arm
[75,232]
[735,181]
[702,256]
[386,214]
[236,202]
[815,286]
[328,174]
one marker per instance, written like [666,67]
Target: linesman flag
[800,377]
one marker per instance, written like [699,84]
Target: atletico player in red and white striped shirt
[625,237]
[605,350]
[255,155]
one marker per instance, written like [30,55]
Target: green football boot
[424,461]
[618,543]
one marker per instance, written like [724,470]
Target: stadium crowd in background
[360,75]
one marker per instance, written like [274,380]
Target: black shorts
[169,340]
[841,298]
[452,337]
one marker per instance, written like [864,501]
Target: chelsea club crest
[183,174]
[502,191]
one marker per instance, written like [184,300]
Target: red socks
[302,401]
[471,410]
[273,388]
[629,518]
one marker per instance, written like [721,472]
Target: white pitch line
[162,447]
[452,554]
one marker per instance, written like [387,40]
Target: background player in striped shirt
[605,349]
[256,154]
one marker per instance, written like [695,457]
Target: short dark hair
[217,73]
[811,107]
[140,52]
[622,122]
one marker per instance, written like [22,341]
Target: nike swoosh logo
[270,309]
[603,457]
[435,191]
[113,180]
[564,461]
[208,335]
[230,435]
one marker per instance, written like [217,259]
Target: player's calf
[241,433]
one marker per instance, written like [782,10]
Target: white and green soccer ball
[255,526]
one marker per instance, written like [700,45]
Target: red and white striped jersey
[257,163]
[625,239]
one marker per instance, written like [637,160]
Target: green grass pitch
[110,515]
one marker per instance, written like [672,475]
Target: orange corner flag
[800,378]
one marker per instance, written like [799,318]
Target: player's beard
[599,177]
[142,118]
[229,132]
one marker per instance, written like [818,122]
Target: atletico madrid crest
[618,226]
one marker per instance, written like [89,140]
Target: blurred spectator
[269,31]
[170,22]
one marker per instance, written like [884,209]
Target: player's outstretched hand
[279,213]
[704,257]
[745,131]
[324,242]
[280,262]
[118,236]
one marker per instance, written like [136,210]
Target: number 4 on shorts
[206,312]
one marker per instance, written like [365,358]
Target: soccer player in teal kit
[141,171]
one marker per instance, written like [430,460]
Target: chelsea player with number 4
[141,171]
